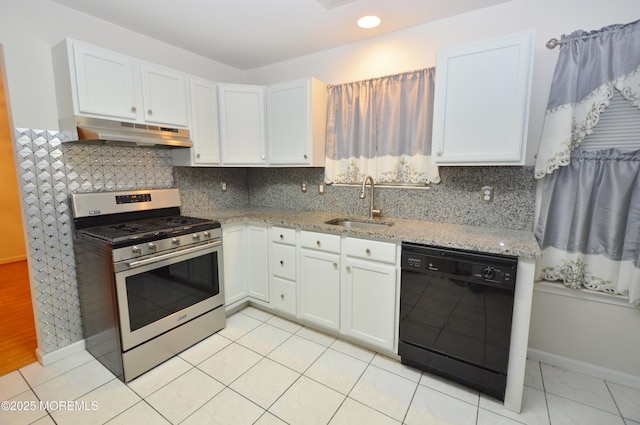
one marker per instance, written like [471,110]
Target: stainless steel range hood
[95,130]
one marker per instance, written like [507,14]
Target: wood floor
[17,328]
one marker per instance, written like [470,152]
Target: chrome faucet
[372,213]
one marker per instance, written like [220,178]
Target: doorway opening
[17,324]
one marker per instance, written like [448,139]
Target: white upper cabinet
[296,114]
[481,104]
[105,83]
[204,126]
[278,125]
[99,83]
[242,124]
[165,95]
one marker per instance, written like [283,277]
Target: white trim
[520,325]
[607,374]
[64,352]
[582,294]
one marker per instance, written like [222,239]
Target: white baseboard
[610,375]
[47,359]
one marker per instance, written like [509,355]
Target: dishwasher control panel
[464,265]
[493,273]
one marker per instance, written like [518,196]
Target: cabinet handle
[281,263]
[318,243]
[368,251]
[150,112]
[348,269]
[439,152]
[305,157]
[197,155]
[282,297]
[134,109]
[281,236]
[335,265]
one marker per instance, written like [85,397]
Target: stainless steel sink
[360,223]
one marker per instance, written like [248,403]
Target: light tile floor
[264,370]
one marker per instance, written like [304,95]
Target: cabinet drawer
[283,261]
[283,295]
[320,241]
[283,235]
[371,250]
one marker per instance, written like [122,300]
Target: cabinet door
[165,95]
[289,123]
[105,83]
[204,125]
[296,122]
[481,105]
[257,263]
[235,264]
[369,300]
[319,288]
[242,124]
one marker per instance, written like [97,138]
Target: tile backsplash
[456,199]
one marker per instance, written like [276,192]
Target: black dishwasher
[455,314]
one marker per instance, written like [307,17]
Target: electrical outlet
[486,194]
[304,186]
[321,189]
[223,186]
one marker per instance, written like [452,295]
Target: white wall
[28,30]
[590,329]
[416,48]
[599,334]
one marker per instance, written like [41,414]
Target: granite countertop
[518,243]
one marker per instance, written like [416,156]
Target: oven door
[157,294]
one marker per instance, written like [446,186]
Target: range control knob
[175,241]
[135,250]
[207,234]
[152,247]
[196,237]
[488,272]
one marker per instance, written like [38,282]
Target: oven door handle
[172,254]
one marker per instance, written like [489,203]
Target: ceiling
[247,34]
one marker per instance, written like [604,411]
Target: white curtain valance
[591,65]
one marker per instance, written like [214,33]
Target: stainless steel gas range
[150,280]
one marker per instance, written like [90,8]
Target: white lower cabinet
[346,285]
[234,263]
[246,264]
[320,279]
[368,299]
[283,295]
[258,264]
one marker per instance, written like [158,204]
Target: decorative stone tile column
[50,171]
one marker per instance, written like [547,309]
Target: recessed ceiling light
[369,22]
